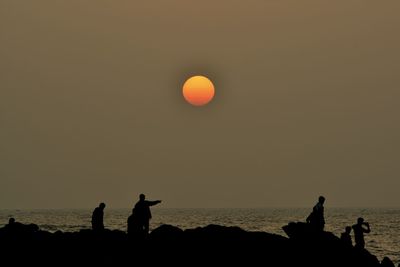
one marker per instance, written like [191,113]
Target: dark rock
[318,247]
[169,245]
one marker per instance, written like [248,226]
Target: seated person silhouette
[13,225]
[316,217]
[97,218]
[359,231]
[143,213]
[17,228]
[346,237]
[387,262]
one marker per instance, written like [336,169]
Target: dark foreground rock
[170,246]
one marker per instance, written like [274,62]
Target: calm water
[384,239]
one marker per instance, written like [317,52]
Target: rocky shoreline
[170,246]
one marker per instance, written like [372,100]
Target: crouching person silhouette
[143,213]
[346,237]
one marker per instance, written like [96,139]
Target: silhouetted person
[387,262]
[13,225]
[134,227]
[97,218]
[359,231]
[316,218]
[346,237]
[143,213]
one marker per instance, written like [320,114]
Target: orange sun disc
[198,90]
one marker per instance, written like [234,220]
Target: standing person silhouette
[97,218]
[143,213]
[359,231]
[316,218]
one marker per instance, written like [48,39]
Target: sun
[198,90]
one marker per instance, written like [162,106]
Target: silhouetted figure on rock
[316,217]
[359,231]
[13,226]
[97,218]
[134,227]
[11,223]
[143,213]
[386,262]
[346,237]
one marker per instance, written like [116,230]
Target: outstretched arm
[152,203]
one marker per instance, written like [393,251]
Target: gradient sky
[307,103]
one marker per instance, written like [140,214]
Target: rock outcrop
[171,246]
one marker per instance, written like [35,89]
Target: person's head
[142,197]
[348,229]
[321,199]
[102,205]
[360,220]
[11,221]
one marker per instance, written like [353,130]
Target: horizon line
[155,208]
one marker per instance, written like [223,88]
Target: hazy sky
[307,103]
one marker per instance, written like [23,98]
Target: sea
[384,239]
